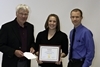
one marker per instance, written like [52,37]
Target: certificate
[49,53]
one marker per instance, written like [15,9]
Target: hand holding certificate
[49,53]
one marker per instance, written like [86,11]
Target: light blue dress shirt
[83,46]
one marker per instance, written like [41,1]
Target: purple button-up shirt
[23,36]
[83,46]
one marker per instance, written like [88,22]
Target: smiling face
[22,16]
[76,18]
[52,23]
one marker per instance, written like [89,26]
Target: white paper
[29,55]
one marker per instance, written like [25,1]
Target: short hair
[22,6]
[77,9]
[57,19]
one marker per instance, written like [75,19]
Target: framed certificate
[49,53]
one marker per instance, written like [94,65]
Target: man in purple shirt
[81,44]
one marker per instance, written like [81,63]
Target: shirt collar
[79,27]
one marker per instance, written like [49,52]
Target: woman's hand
[39,62]
[63,55]
[59,62]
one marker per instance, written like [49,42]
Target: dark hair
[57,19]
[76,9]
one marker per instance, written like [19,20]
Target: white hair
[22,6]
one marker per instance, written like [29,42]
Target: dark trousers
[75,63]
[50,65]
[22,64]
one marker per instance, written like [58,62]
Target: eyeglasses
[25,14]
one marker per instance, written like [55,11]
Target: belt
[77,60]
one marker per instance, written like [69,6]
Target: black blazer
[10,41]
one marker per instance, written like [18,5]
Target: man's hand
[19,53]
[32,50]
